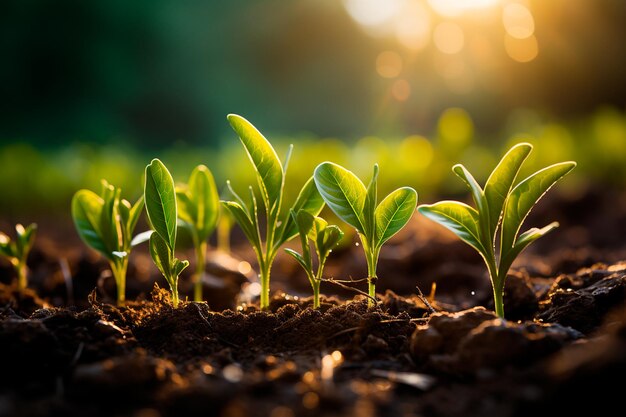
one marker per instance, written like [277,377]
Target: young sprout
[324,237]
[358,206]
[17,251]
[198,211]
[161,208]
[500,207]
[280,227]
[106,223]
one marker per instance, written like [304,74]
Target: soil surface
[67,350]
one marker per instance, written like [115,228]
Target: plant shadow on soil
[562,345]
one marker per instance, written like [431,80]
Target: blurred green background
[96,89]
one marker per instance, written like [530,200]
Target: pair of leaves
[499,207]
[17,250]
[198,203]
[356,205]
[160,197]
[106,222]
[270,175]
[324,237]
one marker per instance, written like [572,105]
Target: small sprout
[499,207]
[358,206]
[198,211]
[280,227]
[324,237]
[17,251]
[162,212]
[106,223]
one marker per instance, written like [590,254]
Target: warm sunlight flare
[454,8]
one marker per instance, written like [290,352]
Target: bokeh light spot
[449,38]
[412,28]
[401,90]
[456,127]
[454,8]
[518,21]
[521,50]
[389,64]
[373,12]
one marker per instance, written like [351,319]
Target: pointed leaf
[160,200]
[263,157]
[457,217]
[161,255]
[303,263]
[133,217]
[501,181]
[393,213]
[309,200]
[472,184]
[343,192]
[141,238]
[203,192]
[522,242]
[524,196]
[246,224]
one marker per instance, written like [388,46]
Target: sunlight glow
[521,50]
[449,38]
[518,21]
[455,8]
[413,26]
[373,12]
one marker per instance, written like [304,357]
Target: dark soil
[72,353]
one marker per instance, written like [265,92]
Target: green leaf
[25,239]
[86,213]
[161,254]
[204,194]
[457,217]
[343,192]
[303,263]
[501,181]
[305,222]
[110,229]
[330,238]
[7,248]
[524,196]
[246,224]
[133,218]
[264,159]
[472,184]
[522,242]
[160,200]
[393,213]
[369,207]
[178,266]
[309,200]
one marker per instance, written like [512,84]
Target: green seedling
[324,237]
[160,197]
[358,206]
[198,211]
[500,207]
[18,250]
[106,223]
[280,227]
